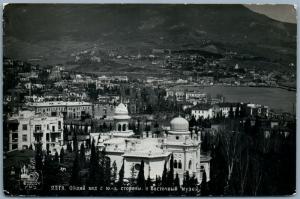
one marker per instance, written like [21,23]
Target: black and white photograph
[149,100]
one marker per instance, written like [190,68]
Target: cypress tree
[204,189]
[82,156]
[170,180]
[56,158]
[186,179]
[62,155]
[164,175]
[38,157]
[69,147]
[141,176]
[75,143]
[75,177]
[132,176]
[177,182]
[237,111]
[94,163]
[231,114]
[121,175]
[114,172]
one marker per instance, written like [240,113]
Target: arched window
[179,164]
[190,164]
[124,127]
[119,127]
[175,164]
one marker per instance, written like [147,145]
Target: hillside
[53,32]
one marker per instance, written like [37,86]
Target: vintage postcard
[149,100]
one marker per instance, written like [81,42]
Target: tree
[75,176]
[164,175]
[56,158]
[82,156]
[94,166]
[204,188]
[141,176]
[237,111]
[114,172]
[38,156]
[75,143]
[177,183]
[186,179]
[121,175]
[132,176]
[170,178]
[69,147]
[148,182]
[193,121]
[231,114]
[62,155]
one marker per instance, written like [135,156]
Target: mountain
[52,32]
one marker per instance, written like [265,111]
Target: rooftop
[59,103]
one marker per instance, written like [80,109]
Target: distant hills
[51,33]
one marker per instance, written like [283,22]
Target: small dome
[121,109]
[179,124]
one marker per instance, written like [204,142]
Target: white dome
[121,109]
[179,124]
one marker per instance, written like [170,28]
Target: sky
[283,12]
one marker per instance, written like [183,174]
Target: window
[124,127]
[179,165]
[47,126]
[24,127]
[38,127]
[53,128]
[137,167]
[119,127]
[177,137]
[24,138]
[47,137]
[175,164]
[14,146]
[59,124]
[190,164]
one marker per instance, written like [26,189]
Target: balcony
[38,132]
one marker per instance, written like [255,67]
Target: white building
[202,110]
[123,148]
[28,128]
[67,109]
[209,111]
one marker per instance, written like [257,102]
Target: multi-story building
[28,129]
[103,110]
[66,109]
[196,97]
[209,111]
[257,110]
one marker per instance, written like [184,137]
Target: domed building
[123,148]
[121,121]
[186,149]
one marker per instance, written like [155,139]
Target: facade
[209,111]
[202,111]
[103,110]
[123,147]
[67,109]
[257,110]
[185,148]
[28,128]
[184,94]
